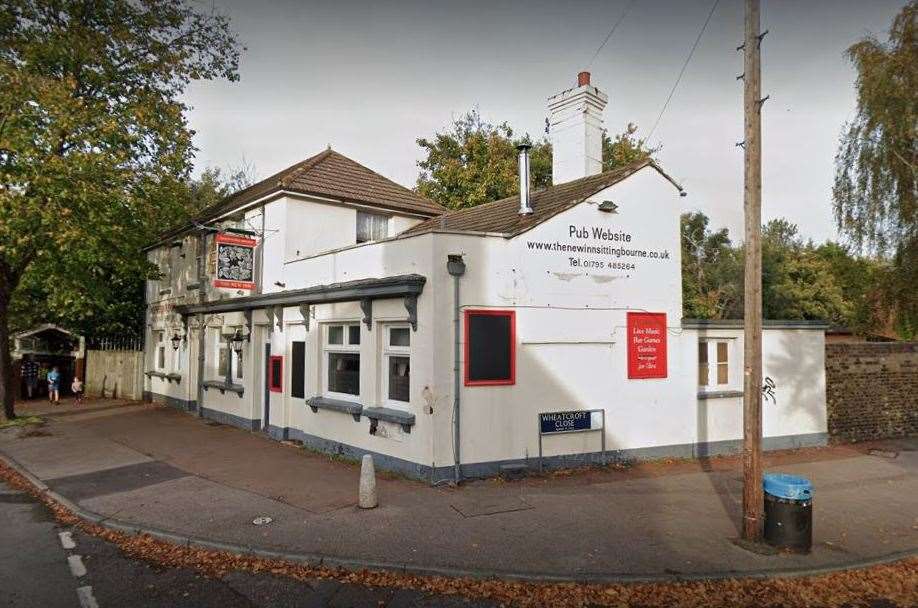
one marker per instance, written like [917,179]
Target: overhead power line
[611,31]
[682,71]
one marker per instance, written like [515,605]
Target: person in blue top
[54,386]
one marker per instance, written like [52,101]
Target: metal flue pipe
[525,207]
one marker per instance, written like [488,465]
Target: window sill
[335,405]
[223,386]
[719,394]
[388,414]
[167,377]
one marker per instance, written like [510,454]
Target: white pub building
[328,305]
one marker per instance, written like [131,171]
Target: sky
[370,78]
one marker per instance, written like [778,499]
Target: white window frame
[218,345]
[381,216]
[713,364]
[388,351]
[238,360]
[159,363]
[232,358]
[177,355]
[345,347]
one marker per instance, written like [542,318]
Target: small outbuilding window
[490,347]
[371,227]
[342,358]
[397,363]
[714,363]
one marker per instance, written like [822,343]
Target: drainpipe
[456,267]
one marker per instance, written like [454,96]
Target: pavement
[157,469]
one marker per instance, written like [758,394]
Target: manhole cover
[263,520]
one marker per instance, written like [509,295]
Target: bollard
[367,497]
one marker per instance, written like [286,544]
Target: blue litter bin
[788,512]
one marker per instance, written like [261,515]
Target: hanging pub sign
[235,262]
[646,345]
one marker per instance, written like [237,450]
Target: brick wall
[872,390]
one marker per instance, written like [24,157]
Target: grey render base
[476,470]
[180,404]
[206,412]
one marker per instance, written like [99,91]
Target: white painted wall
[570,308]
[571,342]
[313,227]
[793,358]
[374,260]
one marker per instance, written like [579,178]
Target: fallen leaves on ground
[896,582]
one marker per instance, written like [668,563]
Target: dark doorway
[298,370]
[65,365]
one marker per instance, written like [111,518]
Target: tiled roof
[328,174]
[332,175]
[503,216]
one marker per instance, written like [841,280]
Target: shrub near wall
[872,390]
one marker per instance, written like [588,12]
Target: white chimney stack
[575,127]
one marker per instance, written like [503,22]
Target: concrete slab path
[158,468]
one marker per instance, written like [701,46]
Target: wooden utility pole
[752,337]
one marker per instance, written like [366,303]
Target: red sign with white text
[646,345]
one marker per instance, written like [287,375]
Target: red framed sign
[276,374]
[646,345]
[490,347]
[235,262]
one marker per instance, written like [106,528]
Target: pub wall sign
[235,262]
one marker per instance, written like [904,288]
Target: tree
[94,144]
[474,162]
[876,181]
[212,186]
[117,308]
[859,279]
[712,271]
[797,283]
[624,149]
[799,279]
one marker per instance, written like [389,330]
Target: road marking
[66,540]
[77,568]
[87,599]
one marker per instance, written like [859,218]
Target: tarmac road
[36,570]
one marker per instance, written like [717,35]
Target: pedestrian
[30,375]
[76,387]
[54,385]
